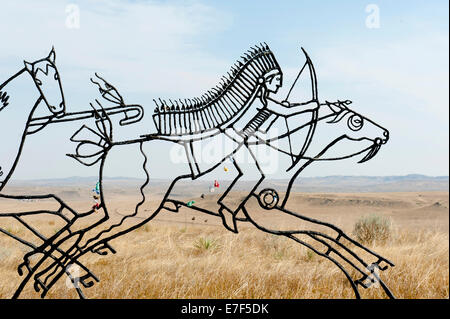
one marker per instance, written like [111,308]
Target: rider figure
[260,115]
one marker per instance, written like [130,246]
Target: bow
[312,73]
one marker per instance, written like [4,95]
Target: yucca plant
[205,243]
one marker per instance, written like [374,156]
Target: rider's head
[273,80]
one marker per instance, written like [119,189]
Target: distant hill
[336,183]
[406,183]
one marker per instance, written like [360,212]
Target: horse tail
[93,144]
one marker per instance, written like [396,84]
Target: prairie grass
[167,261]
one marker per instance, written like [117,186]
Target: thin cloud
[148,43]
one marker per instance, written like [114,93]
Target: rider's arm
[287,109]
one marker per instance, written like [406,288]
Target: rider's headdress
[221,105]
[260,60]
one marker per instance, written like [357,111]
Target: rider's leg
[229,207]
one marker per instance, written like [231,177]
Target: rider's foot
[228,219]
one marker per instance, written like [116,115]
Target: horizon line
[327,176]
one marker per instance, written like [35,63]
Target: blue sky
[396,74]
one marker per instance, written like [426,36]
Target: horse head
[13,102]
[47,80]
[344,124]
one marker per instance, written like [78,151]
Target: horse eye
[38,82]
[56,76]
[355,122]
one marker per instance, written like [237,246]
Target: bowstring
[296,79]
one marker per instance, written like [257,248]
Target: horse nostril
[61,105]
[386,136]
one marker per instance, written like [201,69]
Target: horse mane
[339,110]
[4,97]
[221,104]
[47,65]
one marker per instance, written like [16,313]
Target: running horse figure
[242,111]
[22,115]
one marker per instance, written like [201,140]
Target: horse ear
[28,66]
[52,56]
[334,107]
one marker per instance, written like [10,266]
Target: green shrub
[372,228]
[205,243]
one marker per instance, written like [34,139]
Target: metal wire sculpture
[239,109]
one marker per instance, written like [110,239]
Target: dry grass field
[190,255]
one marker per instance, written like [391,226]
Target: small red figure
[216,184]
[96,200]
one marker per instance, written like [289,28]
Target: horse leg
[53,258]
[69,240]
[38,242]
[368,275]
[59,254]
[100,243]
[327,246]
[94,239]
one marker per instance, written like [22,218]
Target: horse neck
[323,115]
[311,127]
[23,97]
[326,134]
[15,116]
[325,111]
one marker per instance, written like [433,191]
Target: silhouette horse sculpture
[184,128]
[22,115]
